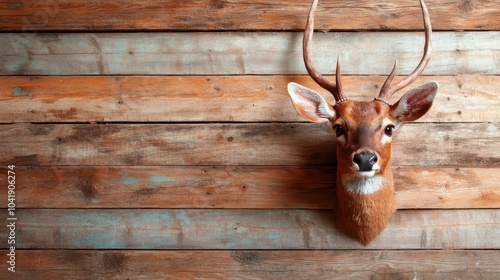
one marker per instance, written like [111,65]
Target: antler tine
[335,89]
[341,97]
[387,89]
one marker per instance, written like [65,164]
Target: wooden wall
[155,139]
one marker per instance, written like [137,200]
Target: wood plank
[173,187]
[234,15]
[459,144]
[243,53]
[245,229]
[215,99]
[341,264]
[249,187]
[447,188]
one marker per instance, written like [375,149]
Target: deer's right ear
[310,104]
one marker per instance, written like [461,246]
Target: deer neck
[364,205]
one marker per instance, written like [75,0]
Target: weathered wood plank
[214,98]
[245,229]
[173,187]
[232,53]
[341,264]
[234,15]
[264,187]
[463,145]
[447,188]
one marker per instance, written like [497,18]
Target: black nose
[365,160]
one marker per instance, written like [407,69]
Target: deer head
[365,199]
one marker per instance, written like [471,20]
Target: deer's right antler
[334,88]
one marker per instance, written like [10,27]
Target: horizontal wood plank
[340,264]
[243,53]
[245,229]
[216,99]
[234,15]
[461,145]
[264,187]
[447,188]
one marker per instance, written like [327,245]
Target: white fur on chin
[364,182]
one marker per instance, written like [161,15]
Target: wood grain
[460,145]
[245,229]
[216,99]
[149,145]
[243,53]
[340,264]
[249,187]
[235,15]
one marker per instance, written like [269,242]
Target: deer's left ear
[415,103]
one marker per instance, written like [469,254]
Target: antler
[335,89]
[387,89]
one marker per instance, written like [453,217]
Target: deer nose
[365,160]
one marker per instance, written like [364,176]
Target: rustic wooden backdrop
[155,139]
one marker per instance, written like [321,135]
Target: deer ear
[310,104]
[415,103]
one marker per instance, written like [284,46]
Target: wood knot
[114,261]
[217,4]
[246,258]
[466,5]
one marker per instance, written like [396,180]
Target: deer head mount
[365,199]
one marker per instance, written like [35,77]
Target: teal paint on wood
[254,53]
[107,239]
[95,201]
[246,229]
[14,5]
[17,92]
[126,180]
[13,66]
[158,179]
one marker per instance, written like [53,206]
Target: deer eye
[389,130]
[339,131]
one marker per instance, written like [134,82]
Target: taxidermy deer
[365,199]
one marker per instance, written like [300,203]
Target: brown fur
[363,206]
[364,216]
